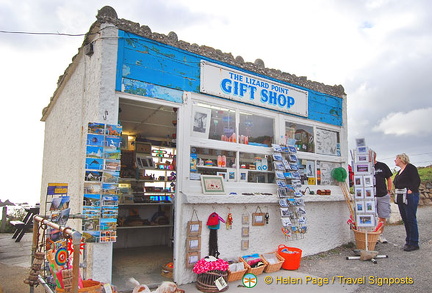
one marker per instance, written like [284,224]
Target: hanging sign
[235,85]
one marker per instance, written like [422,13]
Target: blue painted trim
[142,61]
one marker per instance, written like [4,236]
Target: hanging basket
[206,281]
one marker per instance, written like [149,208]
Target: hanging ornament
[267,216]
[229,221]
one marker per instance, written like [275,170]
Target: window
[302,136]
[256,168]
[256,130]
[214,123]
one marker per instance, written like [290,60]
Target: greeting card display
[292,208]
[364,190]
[102,164]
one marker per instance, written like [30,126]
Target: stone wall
[426,194]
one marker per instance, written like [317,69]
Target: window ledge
[199,198]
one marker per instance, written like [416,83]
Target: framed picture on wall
[192,258]
[212,184]
[244,244]
[193,243]
[201,122]
[194,228]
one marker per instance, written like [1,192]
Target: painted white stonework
[87,95]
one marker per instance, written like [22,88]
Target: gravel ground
[400,266]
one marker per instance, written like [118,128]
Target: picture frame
[258,219]
[201,122]
[244,244]
[365,220]
[362,150]
[358,193]
[232,176]
[243,175]
[359,206]
[192,257]
[193,243]
[194,228]
[212,184]
[360,142]
[358,181]
[362,168]
[224,175]
[369,206]
[369,193]
[245,219]
[362,158]
[245,231]
[368,181]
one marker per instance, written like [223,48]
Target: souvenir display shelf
[146,193]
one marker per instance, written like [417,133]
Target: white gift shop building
[202,132]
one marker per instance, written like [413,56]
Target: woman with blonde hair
[407,183]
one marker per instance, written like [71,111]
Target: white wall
[87,95]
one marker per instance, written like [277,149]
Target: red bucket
[291,255]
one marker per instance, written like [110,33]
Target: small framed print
[194,228]
[360,142]
[359,206]
[243,175]
[368,181]
[258,219]
[245,231]
[369,193]
[192,258]
[224,175]
[201,122]
[212,184]
[369,206]
[362,158]
[362,168]
[193,243]
[245,219]
[244,244]
[362,150]
[365,220]
[359,193]
[358,181]
[231,176]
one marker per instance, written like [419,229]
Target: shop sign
[235,85]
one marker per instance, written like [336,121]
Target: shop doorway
[147,184]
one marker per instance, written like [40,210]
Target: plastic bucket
[291,255]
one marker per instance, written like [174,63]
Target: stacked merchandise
[364,182]
[100,206]
[287,176]
[365,234]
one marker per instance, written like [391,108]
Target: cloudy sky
[380,51]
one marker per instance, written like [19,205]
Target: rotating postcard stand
[366,229]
